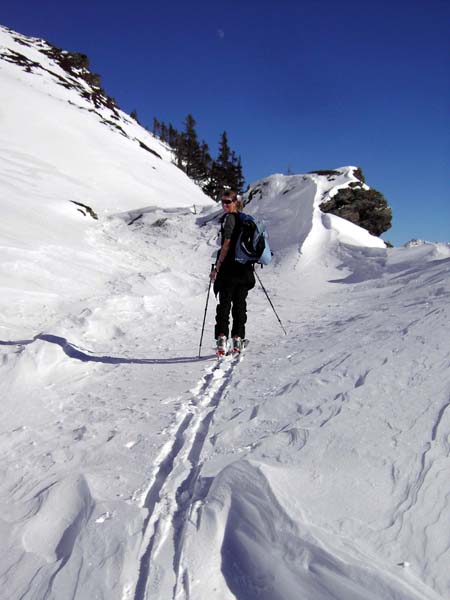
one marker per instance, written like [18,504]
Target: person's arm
[223,253]
[228,231]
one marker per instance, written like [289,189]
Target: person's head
[231,201]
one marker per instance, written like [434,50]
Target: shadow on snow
[73,351]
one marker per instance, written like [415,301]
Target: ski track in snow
[174,487]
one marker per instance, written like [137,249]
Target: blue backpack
[252,245]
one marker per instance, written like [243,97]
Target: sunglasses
[227,201]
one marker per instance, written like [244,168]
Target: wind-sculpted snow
[297,227]
[315,466]
[65,509]
[263,552]
[73,351]
[348,424]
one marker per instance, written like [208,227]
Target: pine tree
[235,175]
[164,132]
[240,175]
[222,166]
[134,115]
[206,160]
[194,158]
[190,146]
[156,127]
[226,171]
[173,136]
[212,187]
[191,152]
[224,151]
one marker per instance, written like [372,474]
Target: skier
[232,280]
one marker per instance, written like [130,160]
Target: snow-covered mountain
[315,467]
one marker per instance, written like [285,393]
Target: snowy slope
[315,467]
[60,152]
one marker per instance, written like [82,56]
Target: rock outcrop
[75,66]
[361,205]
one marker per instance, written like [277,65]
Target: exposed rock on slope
[74,65]
[346,196]
[361,205]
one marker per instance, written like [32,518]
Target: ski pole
[204,316]
[270,302]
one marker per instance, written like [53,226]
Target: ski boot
[238,344]
[221,345]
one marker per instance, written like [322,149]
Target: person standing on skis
[232,280]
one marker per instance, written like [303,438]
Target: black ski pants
[232,292]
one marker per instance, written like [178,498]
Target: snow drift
[315,466]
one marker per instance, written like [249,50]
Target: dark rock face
[364,207]
[74,64]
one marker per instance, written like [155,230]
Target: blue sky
[296,85]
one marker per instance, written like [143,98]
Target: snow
[315,466]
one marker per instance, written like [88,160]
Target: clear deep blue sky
[296,85]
